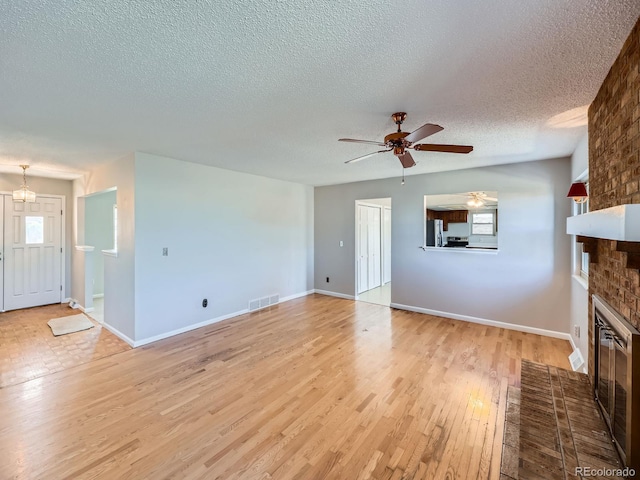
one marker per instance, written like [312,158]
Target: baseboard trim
[119,334]
[296,295]
[77,306]
[484,321]
[188,328]
[335,294]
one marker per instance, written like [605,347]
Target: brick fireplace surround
[614,179]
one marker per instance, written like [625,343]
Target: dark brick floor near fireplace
[552,426]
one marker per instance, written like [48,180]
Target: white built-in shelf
[620,223]
[85,248]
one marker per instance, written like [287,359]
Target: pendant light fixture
[23,194]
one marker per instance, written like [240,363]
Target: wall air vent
[263,302]
[254,305]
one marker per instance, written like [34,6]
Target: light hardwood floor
[317,387]
[29,350]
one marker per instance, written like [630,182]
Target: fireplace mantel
[620,223]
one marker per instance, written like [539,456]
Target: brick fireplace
[614,179]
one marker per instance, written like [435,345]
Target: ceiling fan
[479,199]
[399,142]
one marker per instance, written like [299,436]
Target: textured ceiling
[268,86]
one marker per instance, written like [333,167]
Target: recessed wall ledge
[620,223]
[110,253]
[85,248]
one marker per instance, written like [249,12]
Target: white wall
[232,237]
[99,232]
[579,291]
[526,283]
[52,186]
[119,278]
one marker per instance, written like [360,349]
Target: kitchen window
[483,223]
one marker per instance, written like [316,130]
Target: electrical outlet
[165,251]
[576,331]
[341,243]
[327,279]
[205,302]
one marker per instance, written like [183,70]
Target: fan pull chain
[402,183]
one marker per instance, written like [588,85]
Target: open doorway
[100,232]
[373,250]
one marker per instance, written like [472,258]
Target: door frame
[357,245]
[63,243]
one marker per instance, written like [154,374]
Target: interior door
[32,252]
[363,256]
[386,245]
[374,245]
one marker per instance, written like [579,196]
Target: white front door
[32,252]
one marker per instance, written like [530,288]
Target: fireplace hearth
[617,379]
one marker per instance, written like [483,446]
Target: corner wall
[119,312]
[527,283]
[231,238]
[614,177]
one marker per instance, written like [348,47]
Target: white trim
[335,294]
[155,338]
[621,222]
[119,334]
[295,295]
[110,253]
[483,250]
[85,248]
[162,336]
[98,295]
[581,280]
[484,321]
[77,306]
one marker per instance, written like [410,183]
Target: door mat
[70,324]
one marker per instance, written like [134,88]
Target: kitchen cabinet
[448,216]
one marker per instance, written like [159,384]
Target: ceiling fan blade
[406,160]
[431,147]
[366,156]
[353,140]
[423,132]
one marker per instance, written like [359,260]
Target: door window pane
[34,230]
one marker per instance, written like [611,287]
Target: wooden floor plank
[317,387]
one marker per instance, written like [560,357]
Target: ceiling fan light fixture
[475,201]
[23,194]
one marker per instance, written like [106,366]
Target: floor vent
[263,302]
